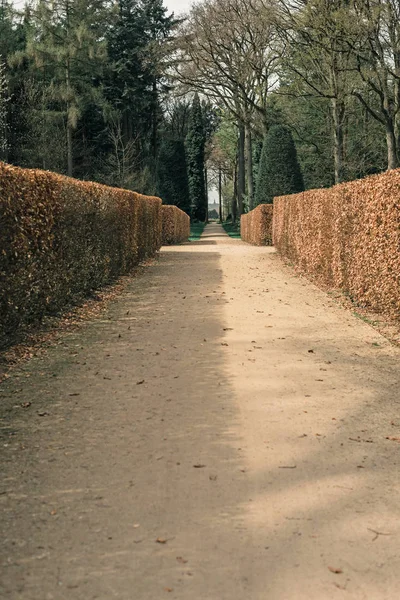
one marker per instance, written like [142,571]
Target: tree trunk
[70,163]
[220,194]
[393,162]
[249,167]
[338,112]
[241,168]
[206,193]
[235,191]
[154,127]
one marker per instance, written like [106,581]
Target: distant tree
[279,171]
[172,179]
[195,149]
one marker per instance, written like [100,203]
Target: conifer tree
[66,42]
[195,145]
[172,179]
[279,171]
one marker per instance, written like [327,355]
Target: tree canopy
[279,172]
[102,90]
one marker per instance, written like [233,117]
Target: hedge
[348,237]
[256,226]
[62,238]
[175,225]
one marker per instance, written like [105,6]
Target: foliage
[196,229]
[279,170]
[256,226]
[90,86]
[62,238]
[172,178]
[195,146]
[232,229]
[175,225]
[347,237]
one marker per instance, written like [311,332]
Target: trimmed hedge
[348,237]
[62,238]
[256,226]
[175,225]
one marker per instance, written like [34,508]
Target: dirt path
[223,407]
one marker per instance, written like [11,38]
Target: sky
[178,6]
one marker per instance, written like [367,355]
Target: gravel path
[221,433]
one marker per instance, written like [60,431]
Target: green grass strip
[196,229]
[232,229]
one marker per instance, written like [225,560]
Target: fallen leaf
[160,540]
[335,570]
[140,382]
[167,589]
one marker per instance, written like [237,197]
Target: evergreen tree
[172,179]
[7,29]
[195,146]
[66,43]
[279,170]
[137,46]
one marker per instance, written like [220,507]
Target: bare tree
[373,36]
[122,164]
[229,52]
[318,63]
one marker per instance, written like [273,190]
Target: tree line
[126,94]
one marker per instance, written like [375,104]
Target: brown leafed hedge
[256,226]
[348,237]
[175,225]
[62,238]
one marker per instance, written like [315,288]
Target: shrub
[256,226]
[279,171]
[62,238]
[175,225]
[347,237]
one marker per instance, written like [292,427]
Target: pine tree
[279,170]
[172,179]
[137,44]
[66,42]
[195,145]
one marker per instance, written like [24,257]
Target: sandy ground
[219,434]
